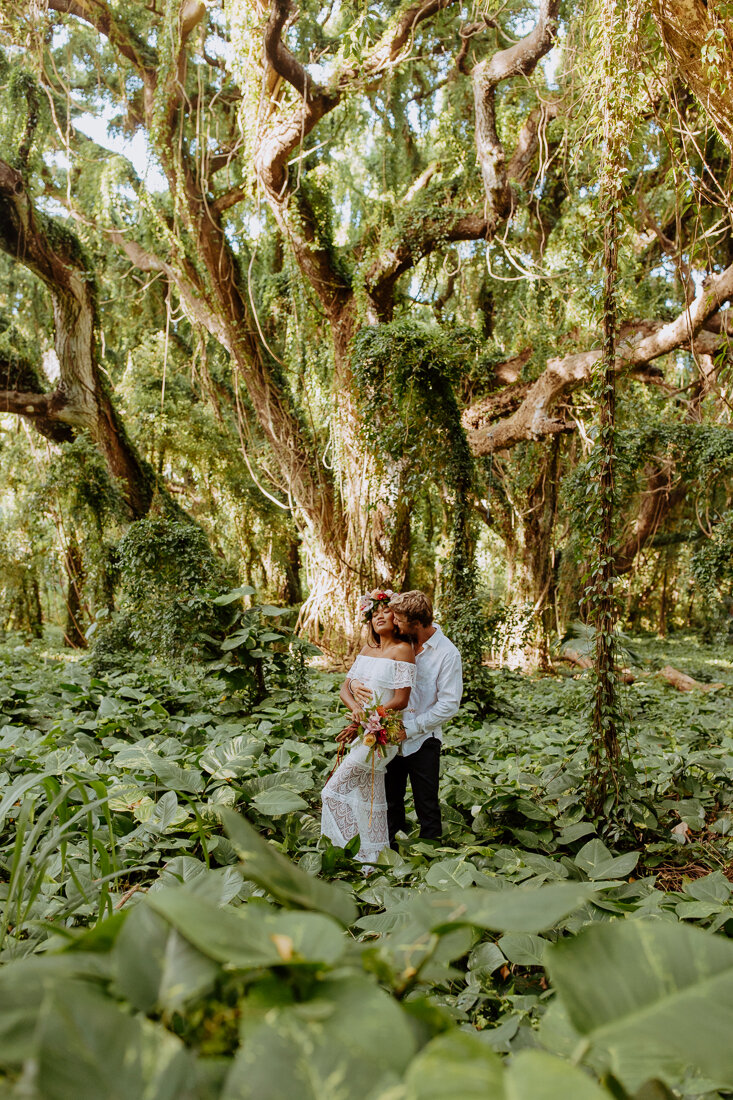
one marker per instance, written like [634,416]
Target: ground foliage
[172,925]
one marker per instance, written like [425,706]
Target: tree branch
[533,417]
[657,501]
[98,15]
[518,59]
[424,238]
[286,135]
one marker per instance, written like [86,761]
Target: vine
[405,373]
[606,717]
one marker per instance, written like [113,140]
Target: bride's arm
[349,701]
[400,699]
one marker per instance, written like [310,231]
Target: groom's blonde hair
[414,605]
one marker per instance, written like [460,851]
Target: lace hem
[354,802]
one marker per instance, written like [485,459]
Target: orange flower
[370,739]
[381,711]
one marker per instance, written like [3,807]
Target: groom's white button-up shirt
[436,696]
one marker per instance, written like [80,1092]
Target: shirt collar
[433,639]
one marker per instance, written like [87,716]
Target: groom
[434,699]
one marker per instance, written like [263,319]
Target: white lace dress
[350,805]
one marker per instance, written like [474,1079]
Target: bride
[353,798]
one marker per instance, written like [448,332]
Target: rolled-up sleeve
[449,690]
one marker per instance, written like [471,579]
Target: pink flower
[374,724]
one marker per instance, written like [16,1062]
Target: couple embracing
[405,683]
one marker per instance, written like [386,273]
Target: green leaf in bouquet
[263,864]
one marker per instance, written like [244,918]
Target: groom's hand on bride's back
[361,694]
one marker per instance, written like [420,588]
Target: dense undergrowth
[154,944]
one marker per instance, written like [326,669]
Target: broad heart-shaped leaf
[520,909]
[595,859]
[462,1065]
[167,814]
[711,888]
[279,800]
[251,936]
[156,966]
[447,873]
[351,1040]
[263,864]
[88,1048]
[23,986]
[231,759]
[234,594]
[652,996]
[523,948]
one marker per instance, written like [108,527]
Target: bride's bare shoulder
[366,651]
[402,651]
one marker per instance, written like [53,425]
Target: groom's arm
[450,690]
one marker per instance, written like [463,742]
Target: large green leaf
[348,1042]
[520,909]
[447,873]
[534,1075]
[156,966]
[462,1065]
[279,800]
[232,759]
[88,1048]
[523,948]
[251,936]
[595,859]
[263,864]
[653,997]
[23,986]
[234,594]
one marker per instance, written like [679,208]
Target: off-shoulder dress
[353,798]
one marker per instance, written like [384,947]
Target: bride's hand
[347,736]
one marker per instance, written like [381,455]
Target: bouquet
[382,727]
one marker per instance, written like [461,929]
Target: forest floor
[114,784]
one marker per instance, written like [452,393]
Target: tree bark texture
[698,38]
[81,399]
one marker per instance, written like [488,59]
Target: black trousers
[423,769]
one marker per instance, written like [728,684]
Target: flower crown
[368,604]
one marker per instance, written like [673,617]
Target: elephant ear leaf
[263,864]
[652,998]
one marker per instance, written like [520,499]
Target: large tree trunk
[698,37]
[81,400]
[74,636]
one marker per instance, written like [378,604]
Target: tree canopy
[326,279]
